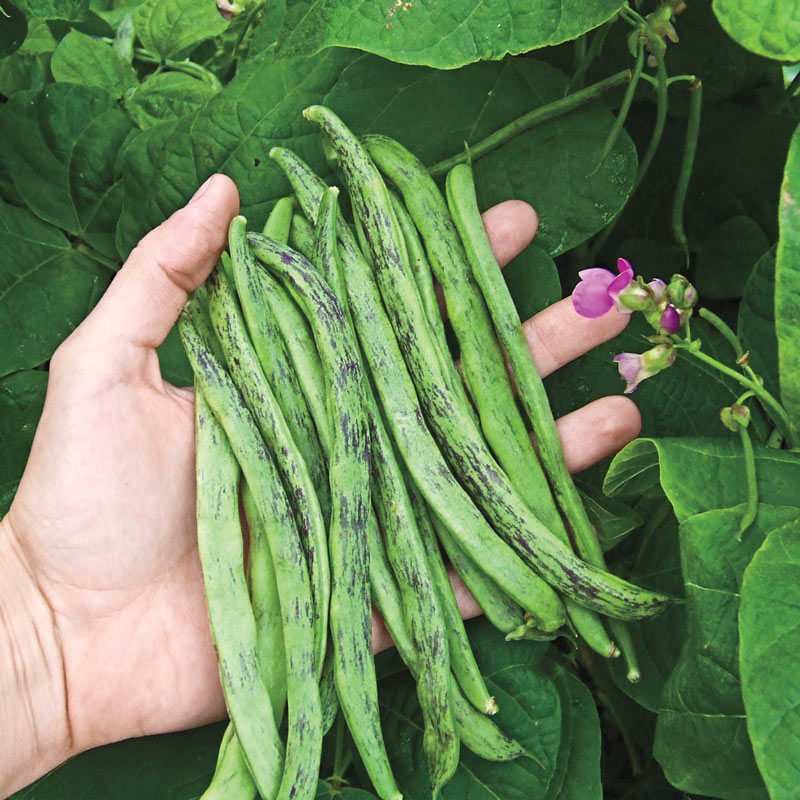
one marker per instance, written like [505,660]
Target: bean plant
[658,141]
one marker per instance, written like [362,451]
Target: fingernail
[202,190]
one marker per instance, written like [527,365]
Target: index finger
[558,334]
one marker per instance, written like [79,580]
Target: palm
[121,567]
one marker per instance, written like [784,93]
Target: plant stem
[687,162]
[775,439]
[187,67]
[598,40]
[672,79]
[630,91]
[771,405]
[723,328]
[751,508]
[542,114]
[655,140]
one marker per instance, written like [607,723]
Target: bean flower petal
[590,297]
[631,370]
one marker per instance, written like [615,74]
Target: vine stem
[598,40]
[533,118]
[733,340]
[767,400]
[687,162]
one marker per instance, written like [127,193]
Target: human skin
[103,626]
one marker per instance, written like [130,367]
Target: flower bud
[734,416]
[670,321]
[635,367]
[680,293]
[657,287]
[635,297]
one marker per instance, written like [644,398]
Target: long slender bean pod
[261,303]
[405,550]
[232,779]
[476,730]
[687,162]
[456,435]
[327,693]
[482,362]
[403,413]
[246,373]
[466,215]
[303,745]
[301,237]
[462,659]
[350,618]
[219,539]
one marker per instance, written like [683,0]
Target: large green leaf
[82,59]
[72,10]
[21,401]
[787,283]
[768,27]
[167,96]
[769,627]
[46,288]
[701,736]
[442,35]
[431,111]
[170,27]
[13,30]
[756,327]
[61,147]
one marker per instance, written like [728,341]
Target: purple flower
[670,321]
[599,289]
[635,367]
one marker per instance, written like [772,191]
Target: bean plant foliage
[113,112]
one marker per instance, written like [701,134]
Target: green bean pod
[327,693]
[404,415]
[232,779]
[476,730]
[462,659]
[466,451]
[350,617]
[301,237]
[279,220]
[219,540]
[246,373]
[304,741]
[260,301]
[464,208]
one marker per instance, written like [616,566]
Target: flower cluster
[665,306]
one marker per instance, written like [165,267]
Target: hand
[100,539]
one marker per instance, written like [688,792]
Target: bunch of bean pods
[326,393]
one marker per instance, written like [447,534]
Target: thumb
[145,298]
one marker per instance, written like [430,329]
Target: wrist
[33,700]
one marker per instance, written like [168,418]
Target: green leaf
[770,29]
[46,289]
[532,280]
[81,59]
[430,110]
[171,27]
[701,735]
[21,401]
[756,327]
[71,10]
[530,710]
[612,519]
[61,148]
[577,772]
[443,36]
[177,766]
[172,359]
[725,256]
[787,282]
[13,29]
[166,96]
[769,621]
